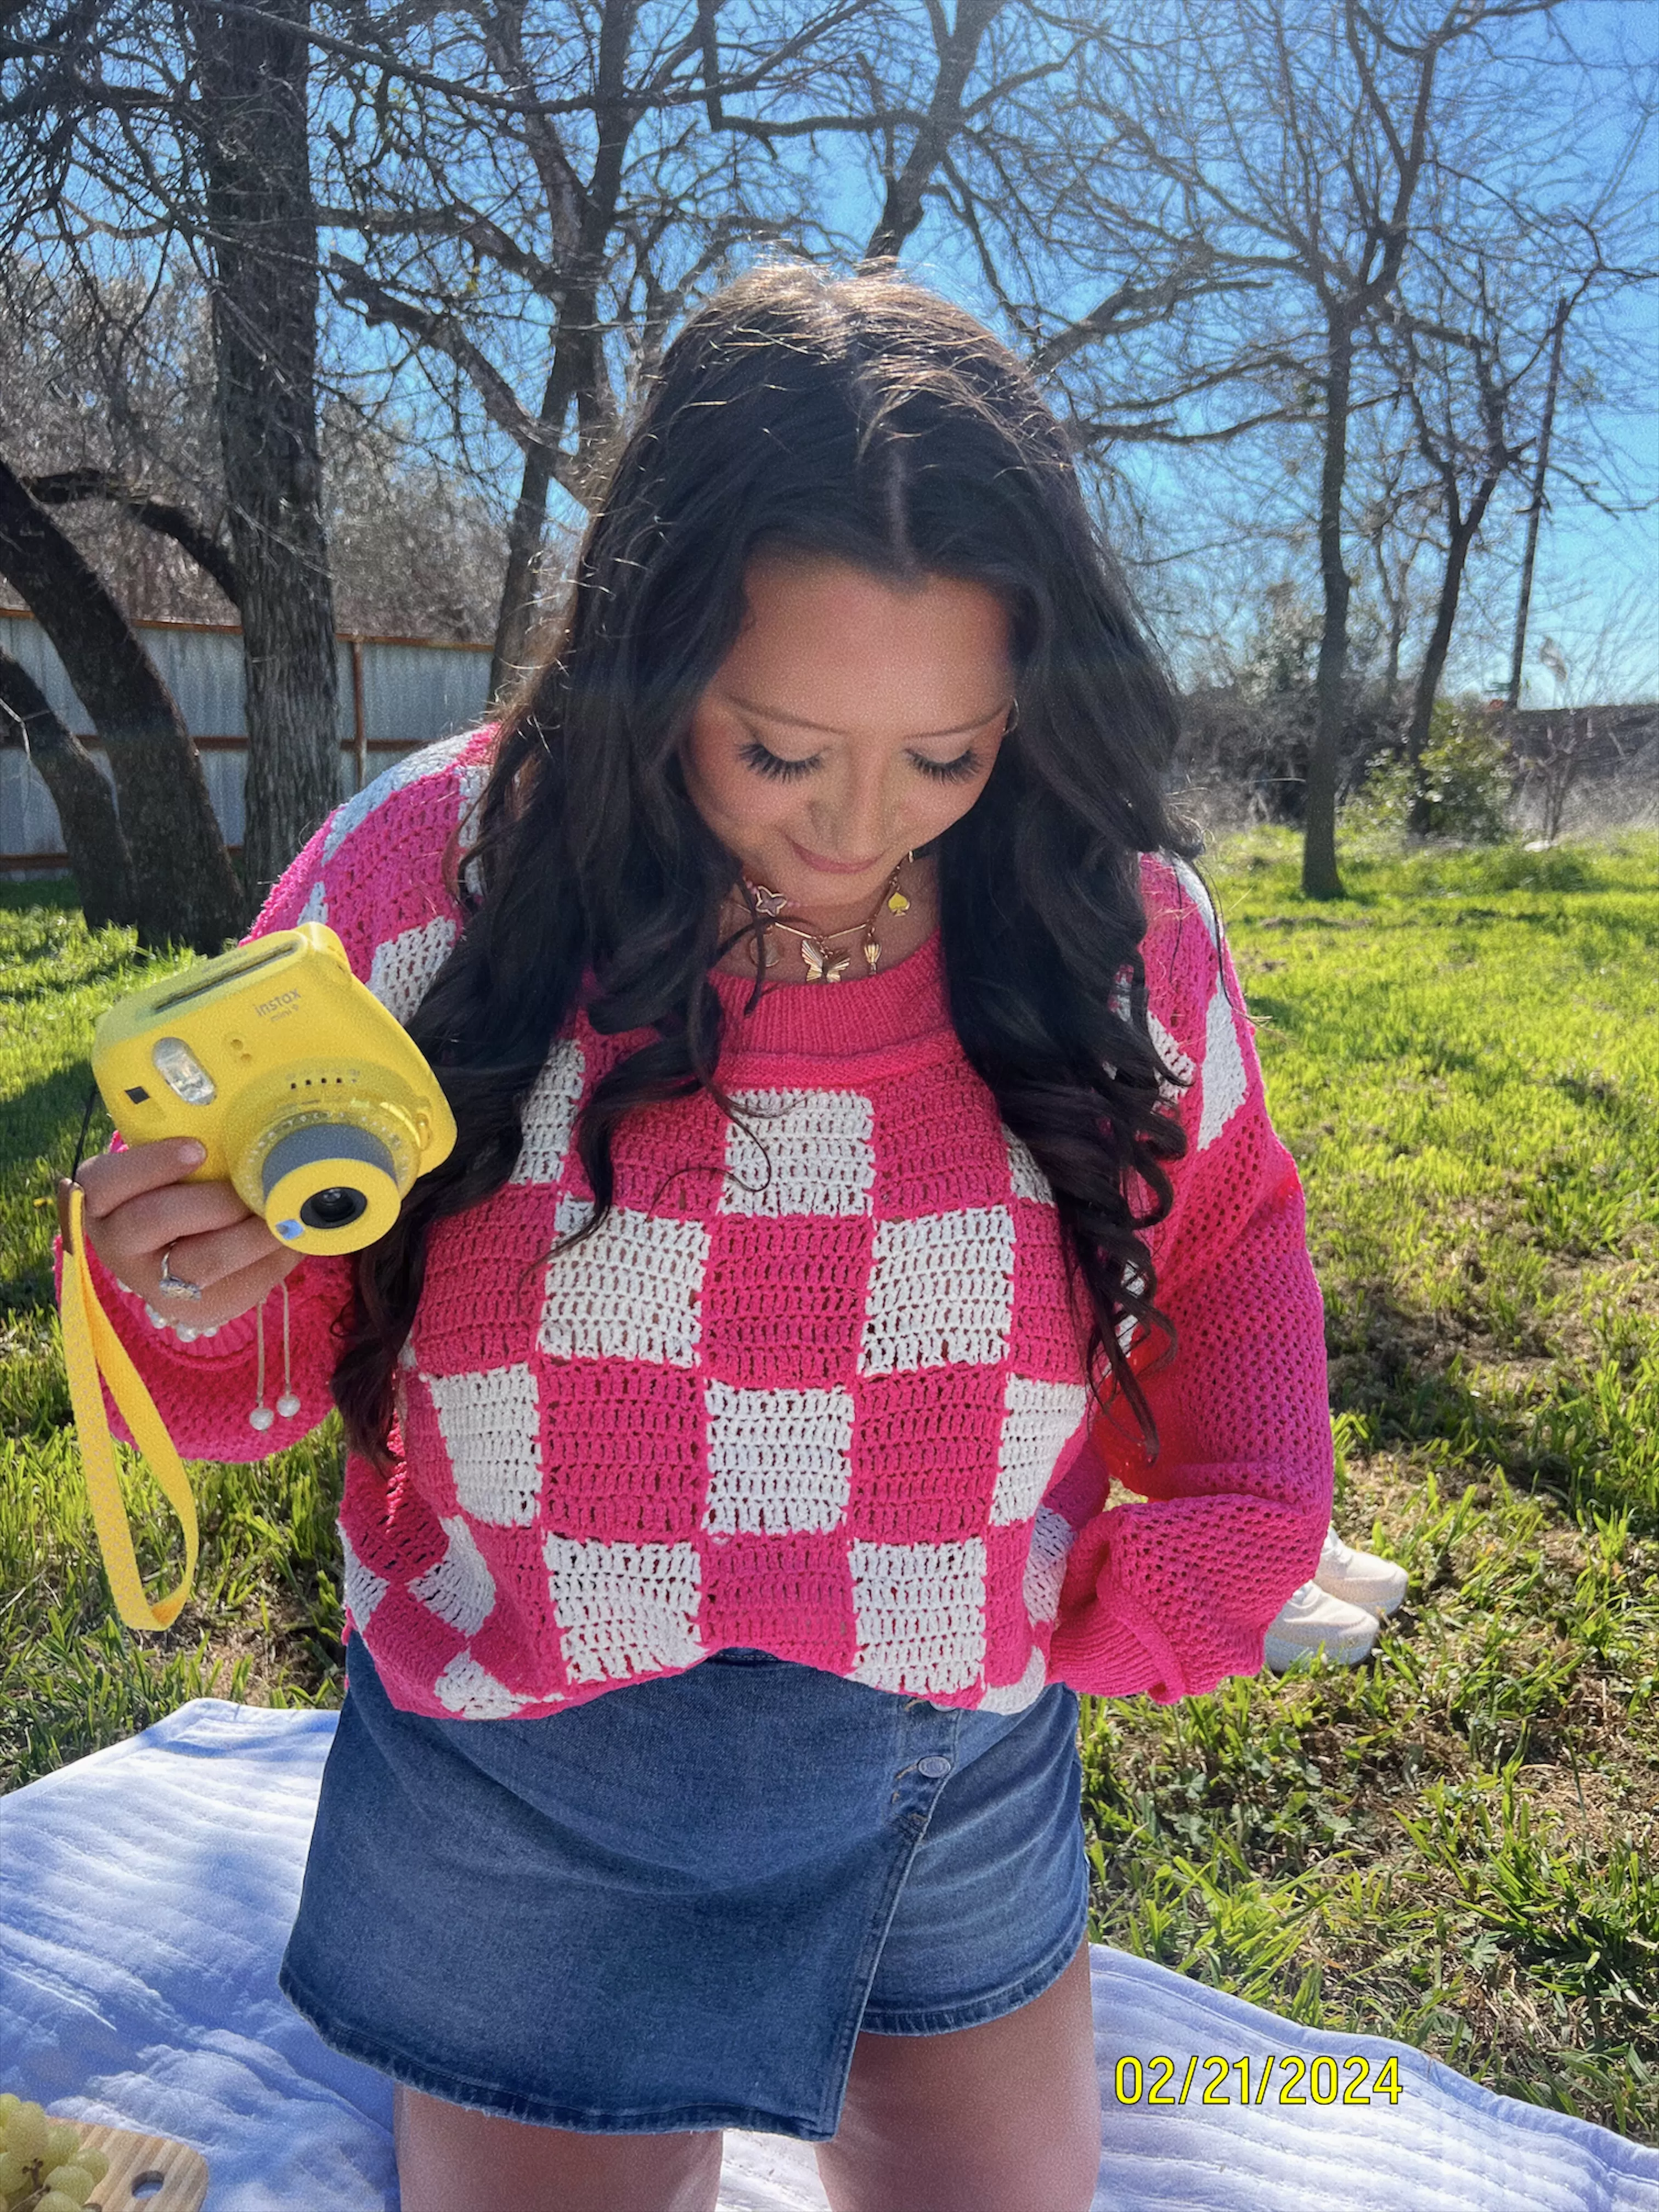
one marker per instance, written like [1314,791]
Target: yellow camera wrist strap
[92,1350]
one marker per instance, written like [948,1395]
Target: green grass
[265,1620]
[1454,1844]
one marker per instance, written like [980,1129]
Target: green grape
[55,2201]
[27,2129]
[14,2176]
[72,2180]
[63,2141]
[8,2102]
[93,2162]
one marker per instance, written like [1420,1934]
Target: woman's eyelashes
[959,770]
[764,762]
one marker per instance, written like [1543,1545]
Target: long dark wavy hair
[867,419]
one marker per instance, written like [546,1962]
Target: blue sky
[1596,583]
[1595,591]
[1598,574]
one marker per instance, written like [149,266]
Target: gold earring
[896,902]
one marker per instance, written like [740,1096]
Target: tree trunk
[906,201]
[524,540]
[1394,603]
[578,369]
[1459,536]
[1539,483]
[1319,877]
[251,73]
[92,838]
[185,886]
[1391,671]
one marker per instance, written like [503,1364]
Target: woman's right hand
[140,1210]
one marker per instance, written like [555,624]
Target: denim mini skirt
[678,1906]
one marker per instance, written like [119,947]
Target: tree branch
[435,327]
[67,487]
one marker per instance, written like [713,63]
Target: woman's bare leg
[450,2160]
[1000,2118]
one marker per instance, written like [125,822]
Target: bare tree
[1394,513]
[259,231]
[1554,763]
[106,391]
[933,137]
[192,122]
[1501,263]
[417,549]
[536,198]
[109,393]
[184,886]
[1279,150]
[547,196]
[93,837]
[1467,454]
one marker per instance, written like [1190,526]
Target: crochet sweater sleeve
[1172,1593]
[377,883]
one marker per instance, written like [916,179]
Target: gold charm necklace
[822,963]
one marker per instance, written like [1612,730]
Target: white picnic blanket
[146,1893]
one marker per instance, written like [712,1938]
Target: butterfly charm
[768,905]
[822,966]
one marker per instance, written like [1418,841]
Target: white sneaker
[1314,1621]
[1359,1577]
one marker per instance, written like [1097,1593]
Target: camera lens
[301,1176]
[333,1208]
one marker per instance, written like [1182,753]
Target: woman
[862,1158]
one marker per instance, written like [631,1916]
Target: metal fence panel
[202,669]
[415,693]
[22,637]
[394,695]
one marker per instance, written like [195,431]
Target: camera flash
[183,1073]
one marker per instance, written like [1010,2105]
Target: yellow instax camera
[311,1100]
[312,1103]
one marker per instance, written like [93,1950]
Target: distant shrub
[1249,752]
[1512,868]
[1461,870]
[1254,751]
[1460,788]
[1245,741]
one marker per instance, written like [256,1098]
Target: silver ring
[175,1285]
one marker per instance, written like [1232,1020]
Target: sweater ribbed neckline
[896,1006]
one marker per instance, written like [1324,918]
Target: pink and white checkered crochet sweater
[815,1385]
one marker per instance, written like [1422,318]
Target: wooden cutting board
[147,2173]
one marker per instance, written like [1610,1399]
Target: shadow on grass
[1591,1443]
[38,1126]
[117,966]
